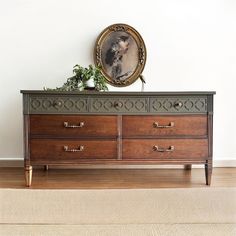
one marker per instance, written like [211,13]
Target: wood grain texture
[183,149]
[61,178]
[51,150]
[183,125]
[54,125]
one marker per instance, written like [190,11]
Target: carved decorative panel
[178,104]
[57,104]
[111,103]
[120,105]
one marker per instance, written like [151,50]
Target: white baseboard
[224,163]
[19,162]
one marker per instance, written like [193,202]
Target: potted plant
[84,78]
[90,78]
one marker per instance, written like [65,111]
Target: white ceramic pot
[90,83]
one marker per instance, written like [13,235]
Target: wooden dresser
[75,128]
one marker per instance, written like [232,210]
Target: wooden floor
[116,178]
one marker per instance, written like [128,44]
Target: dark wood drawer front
[75,126]
[164,125]
[68,150]
[165,149]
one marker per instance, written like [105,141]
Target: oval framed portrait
[120,52]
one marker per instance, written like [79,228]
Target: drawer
[119,105]
[75,126]
[165,149]
[71,150]
[164,125]
[178,104]
[53,104]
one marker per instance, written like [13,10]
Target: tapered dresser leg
[46,167]
[208,173]
[28,175]
[188,167]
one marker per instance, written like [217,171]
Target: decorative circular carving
[167,105]
[35,103]
[97,105]
[47,104]
[120,52]
[188,104]
[129,105]
[108,104]
[68,104]
[139,105]
[80,104]
[156,105]
[199,104]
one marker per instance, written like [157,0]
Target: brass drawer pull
[158,149]
[156,125]
[178,104]
[118,104]
[57,103]
[79,149]
[67,125]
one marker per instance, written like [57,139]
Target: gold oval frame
[140,56]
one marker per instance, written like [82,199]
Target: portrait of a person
[114,57]
[120,52]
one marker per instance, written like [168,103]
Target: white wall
[191,45]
